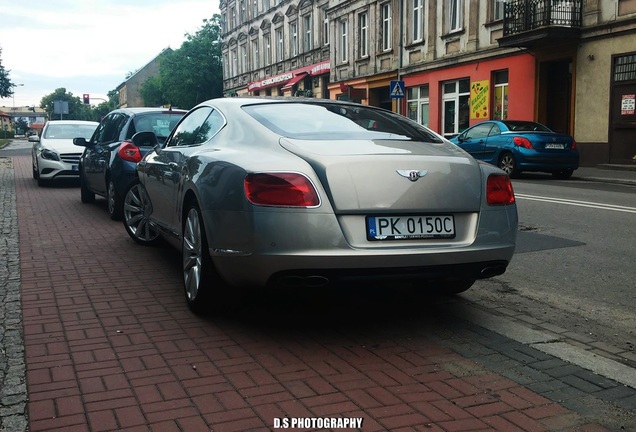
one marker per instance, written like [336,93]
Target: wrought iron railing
[523,15]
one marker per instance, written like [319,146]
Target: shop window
[456,109]
[500,95]
[418,104]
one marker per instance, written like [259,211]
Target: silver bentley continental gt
[259,192]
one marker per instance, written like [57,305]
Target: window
[255,54]
[480,131]
[280,45]
[363,31]
[307,33]
[386,26]
[268,50]
[235,69]
[197,127]
[232,17]
[293,39]
[254,8]
[455,15]
[226,66]
[244,58]
[500,102]
[417,104]
[242,15]
[418,9]
[625,68]
[325,27]
[455,107]
[497,9]
[266,5]
[344,42]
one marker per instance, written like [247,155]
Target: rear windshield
[69,131]
[161,123]
[337,121]
[525,126]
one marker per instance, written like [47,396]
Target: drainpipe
[401,49]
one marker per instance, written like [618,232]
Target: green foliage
[151,92]
[21,125]
[191,74]
[77,110]
[6,86]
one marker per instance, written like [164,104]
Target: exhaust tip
[491,271]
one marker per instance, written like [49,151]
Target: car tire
[86,195]
[115,205]
[136,210]
[563,175]
[508,163]
[203,287]
[42,182]
[455,286]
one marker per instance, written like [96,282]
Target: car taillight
[499,190]
[280,189]
[130,152]
[573,145]
[522,142]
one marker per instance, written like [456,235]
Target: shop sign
[479,100]
[628,103]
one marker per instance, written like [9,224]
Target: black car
[107,165]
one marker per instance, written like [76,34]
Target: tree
[6,86]
[76,109]
[152,93]
[191,74]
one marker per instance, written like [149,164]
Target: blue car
[107,165]
[516,146]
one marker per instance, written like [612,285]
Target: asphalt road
[574,265]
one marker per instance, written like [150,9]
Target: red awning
[292,82]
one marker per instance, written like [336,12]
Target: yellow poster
[479,100]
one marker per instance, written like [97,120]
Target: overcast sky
[89,46]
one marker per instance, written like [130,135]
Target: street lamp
[15,85]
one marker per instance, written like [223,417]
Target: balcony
[536,23]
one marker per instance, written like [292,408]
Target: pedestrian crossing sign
[397,89]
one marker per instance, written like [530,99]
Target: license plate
[555,146]
[410,227]
[73,167]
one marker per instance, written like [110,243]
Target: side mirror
[145,139]
[34,138]
[81,141]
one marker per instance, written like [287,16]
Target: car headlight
[50,155]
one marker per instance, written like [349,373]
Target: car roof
[142,110]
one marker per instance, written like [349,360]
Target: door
[98,153]
[166,170]
[622,133]
[474,139]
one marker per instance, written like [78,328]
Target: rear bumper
[544,162]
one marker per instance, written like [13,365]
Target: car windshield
[322,120]
[525,126]
[69,131]
[161,123]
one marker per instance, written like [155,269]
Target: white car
[55,156]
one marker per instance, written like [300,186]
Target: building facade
[568,64]
[130,90]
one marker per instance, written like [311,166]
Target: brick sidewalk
[111,345]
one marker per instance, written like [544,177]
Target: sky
[88,46]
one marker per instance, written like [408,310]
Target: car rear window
[161,123]
[336,121]
[525,126]
[69,131]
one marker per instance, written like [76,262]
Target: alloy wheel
[507,163]
[111,197]
[192,254]
[137,210]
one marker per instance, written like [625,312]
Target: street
[574,261]
[110,344]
